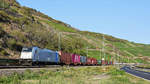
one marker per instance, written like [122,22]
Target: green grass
[99,54]
[3,4]
[64,75]
[61,76]
[120,77]
[59,27]
[144,66]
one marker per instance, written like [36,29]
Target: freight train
[37,56]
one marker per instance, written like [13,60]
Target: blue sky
[126,19]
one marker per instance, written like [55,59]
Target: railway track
[18,67]
[8,70]
[12,67]
[44,66]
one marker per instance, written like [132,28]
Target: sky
[125,19]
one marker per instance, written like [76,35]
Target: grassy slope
[88,75]
[22,26]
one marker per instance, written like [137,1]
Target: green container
[99,61]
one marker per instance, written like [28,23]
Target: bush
[3,4]
[115,72]
[3,52]
[13,45]
[4,17]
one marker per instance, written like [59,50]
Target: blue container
[83,59]
[45,55]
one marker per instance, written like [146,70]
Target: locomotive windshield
[27,50]
[26,53]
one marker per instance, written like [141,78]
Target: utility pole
[128,60]
[100,53]
[114,57]
[59,41]
[3,4]
[122,59]
[104,47]
[118,59]
[87,51]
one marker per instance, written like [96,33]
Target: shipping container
[99,62]
[65,58]
[111,62]
[89,61]
[94,61]
[106,62]
[75,59]
[83,60]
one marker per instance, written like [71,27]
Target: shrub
[13,45]
[3,52]
[3,4]
[115,72]
[4,17]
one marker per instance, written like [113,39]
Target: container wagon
[106,62]
[83,60]
[94,61]
[75,59]
[99,62]
[65,58]
[89,61]
[111,62]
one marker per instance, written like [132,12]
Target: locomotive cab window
[27,50]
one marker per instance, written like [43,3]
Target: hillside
[22,26]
